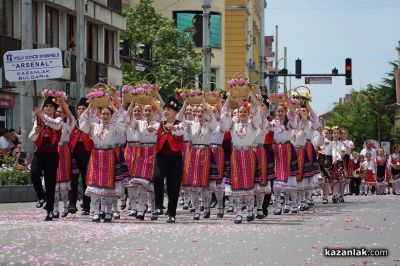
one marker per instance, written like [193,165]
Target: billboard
[191,24]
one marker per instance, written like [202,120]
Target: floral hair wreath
[56,94]
[284,105]
[174,104]
[246,105]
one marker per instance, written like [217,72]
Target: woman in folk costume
[197,161]
[353,173]
[264,164]
[286,166]
[132,153]
[169,153]
[394,164]
[334,153]
[307,156]
[187,115]
[349,145]
[101,176]
[324,164]
[368,169]
[81,146]
[381,165]
[145,163]
[121,169]
[64,170]
[217,184]
[46,133]
[243,131]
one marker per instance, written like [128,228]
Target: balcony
[115,5]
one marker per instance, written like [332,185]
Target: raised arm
[54,123]
[226,118]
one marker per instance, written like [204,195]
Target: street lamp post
[378,122]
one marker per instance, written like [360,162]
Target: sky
[323,33]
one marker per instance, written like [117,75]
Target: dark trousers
[46,163]
[267,199]
[354,186]
[82,161]
[169,167]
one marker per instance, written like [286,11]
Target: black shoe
[154,217]
[72,209]
[49,216]
[40,203]
[96,218]
[64,214]
[220,215]
[181,202]
[186,207]
[260,214]
[133,213]
[286,209]
[325,201]
[102,215]
[334,200]
[108,218]
[265,212]
[123,206]
[207,215]
[230,209]
[140,216]
[201,208]
[171,220]
[116,216]
[250,218]
[302,208]
[192,210]
[56,215]
[238,219]
[196,216]
[278,211]
[85,212]
[213,204]
[159,211]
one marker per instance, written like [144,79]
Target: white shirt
[54,123]
[281,134]
[201,133]
[66,130]
[372,151]
[334,148]
[369,165]
[218,134]
[144,135]
[102,135]
[305,130]
[243,134]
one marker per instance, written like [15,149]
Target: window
[109,47]
[71,42]
[52,29]
[6,17]
[92,39]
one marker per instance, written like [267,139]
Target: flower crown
[246,105]
[56,94]
[284,105]
[173,104]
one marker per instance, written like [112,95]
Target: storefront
[6,109]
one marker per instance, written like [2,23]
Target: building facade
[235,31]
[54,24]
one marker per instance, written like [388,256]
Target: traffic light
[298,68]
[335,71]
[349,80]
[145,52]
[283,71]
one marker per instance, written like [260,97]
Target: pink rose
[140,90]
[183,95]
[107,94]
[241,82]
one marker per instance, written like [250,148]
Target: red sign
[6,100]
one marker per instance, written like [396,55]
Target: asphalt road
[371,222]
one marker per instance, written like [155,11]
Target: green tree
[171,63]
[368,107]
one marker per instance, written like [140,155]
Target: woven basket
[197,99]
[277,99]
[139,98]
[240,91]
[210,99]
[100,101]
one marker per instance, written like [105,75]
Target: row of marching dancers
[201,149]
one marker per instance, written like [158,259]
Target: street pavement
[365,221]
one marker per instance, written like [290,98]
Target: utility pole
[285,65]
[262,47]
[206,43]
[276,58]
[397,74]
[80,47]
[25,88]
